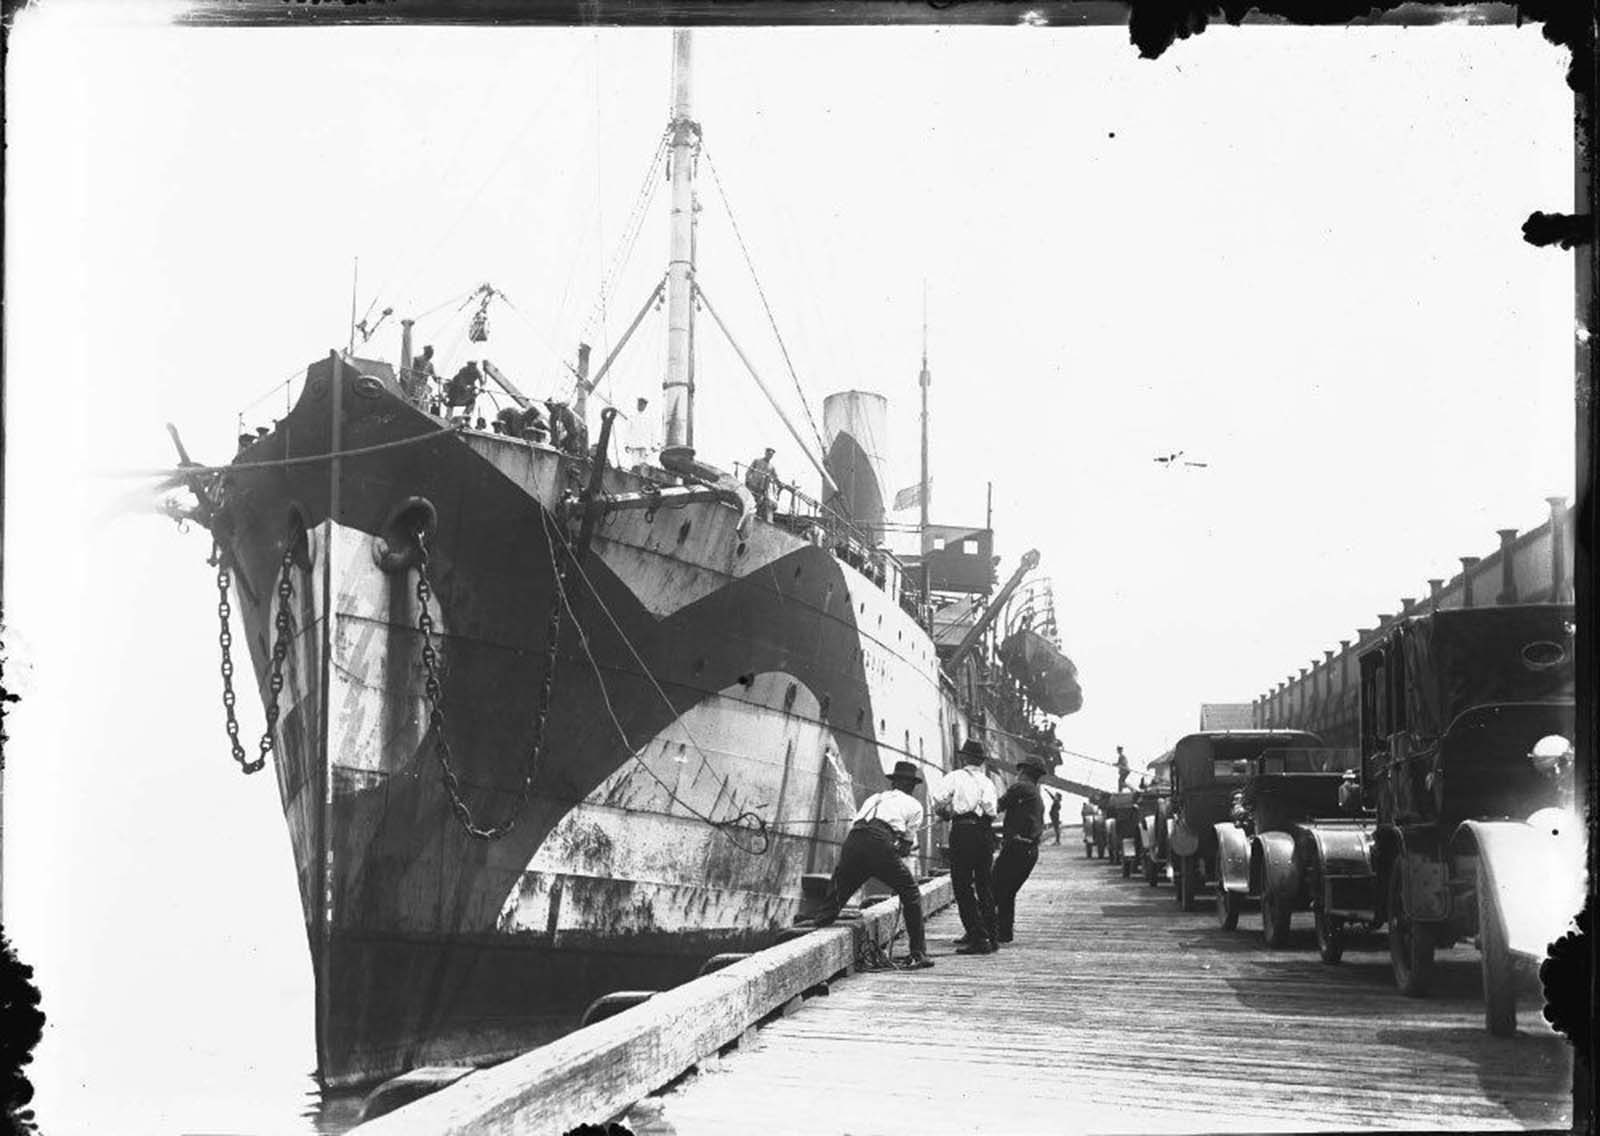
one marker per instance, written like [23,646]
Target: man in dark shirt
[1019,843]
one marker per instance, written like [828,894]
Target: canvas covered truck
[1207,768]
[1467,721]
[1287,847]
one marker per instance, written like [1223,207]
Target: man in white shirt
[968,801]
[884,830]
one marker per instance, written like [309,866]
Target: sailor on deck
[567,431]
[967,801]
[462,389]
[1019,843]
[1055,814]
[416,382]
[762,481]
[881,834]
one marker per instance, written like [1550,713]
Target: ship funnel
[856,427]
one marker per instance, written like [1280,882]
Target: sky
[1293,255]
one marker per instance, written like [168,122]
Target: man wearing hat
[967,800]
[1019,842]
[884,829]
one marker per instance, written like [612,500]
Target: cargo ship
[547,725]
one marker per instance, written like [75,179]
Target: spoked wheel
[1330,937]
[1499,969]
[1227,909]
[1275,913]
[1410,943]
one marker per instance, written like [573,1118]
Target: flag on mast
[910,497]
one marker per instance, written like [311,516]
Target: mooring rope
[281,463]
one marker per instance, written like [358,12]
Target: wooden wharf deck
[1115,1012]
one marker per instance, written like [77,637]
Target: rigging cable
[822,446]
[277,463]
[631,230]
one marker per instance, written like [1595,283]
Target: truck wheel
[1227,909]
[1499,969]
[1275,915]
[1330,938]
[1410,943]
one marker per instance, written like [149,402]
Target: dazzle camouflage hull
[725,692]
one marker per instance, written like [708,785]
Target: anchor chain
[280,650]
[434,691]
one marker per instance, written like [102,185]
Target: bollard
[813,890]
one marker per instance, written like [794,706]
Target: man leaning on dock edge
[883,830]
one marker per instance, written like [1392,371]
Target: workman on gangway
[967,800]
[1122,770]
[880,835]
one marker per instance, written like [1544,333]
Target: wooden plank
[594,1073]
[1115,1012]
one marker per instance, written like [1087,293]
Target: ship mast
[926,380]
[677,388]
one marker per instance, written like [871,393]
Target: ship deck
[1115,1012]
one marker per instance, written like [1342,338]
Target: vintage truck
[1467,722]
[1207,768]
[1155,817]
[1123,838]
[1288,847]
[1094,830]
